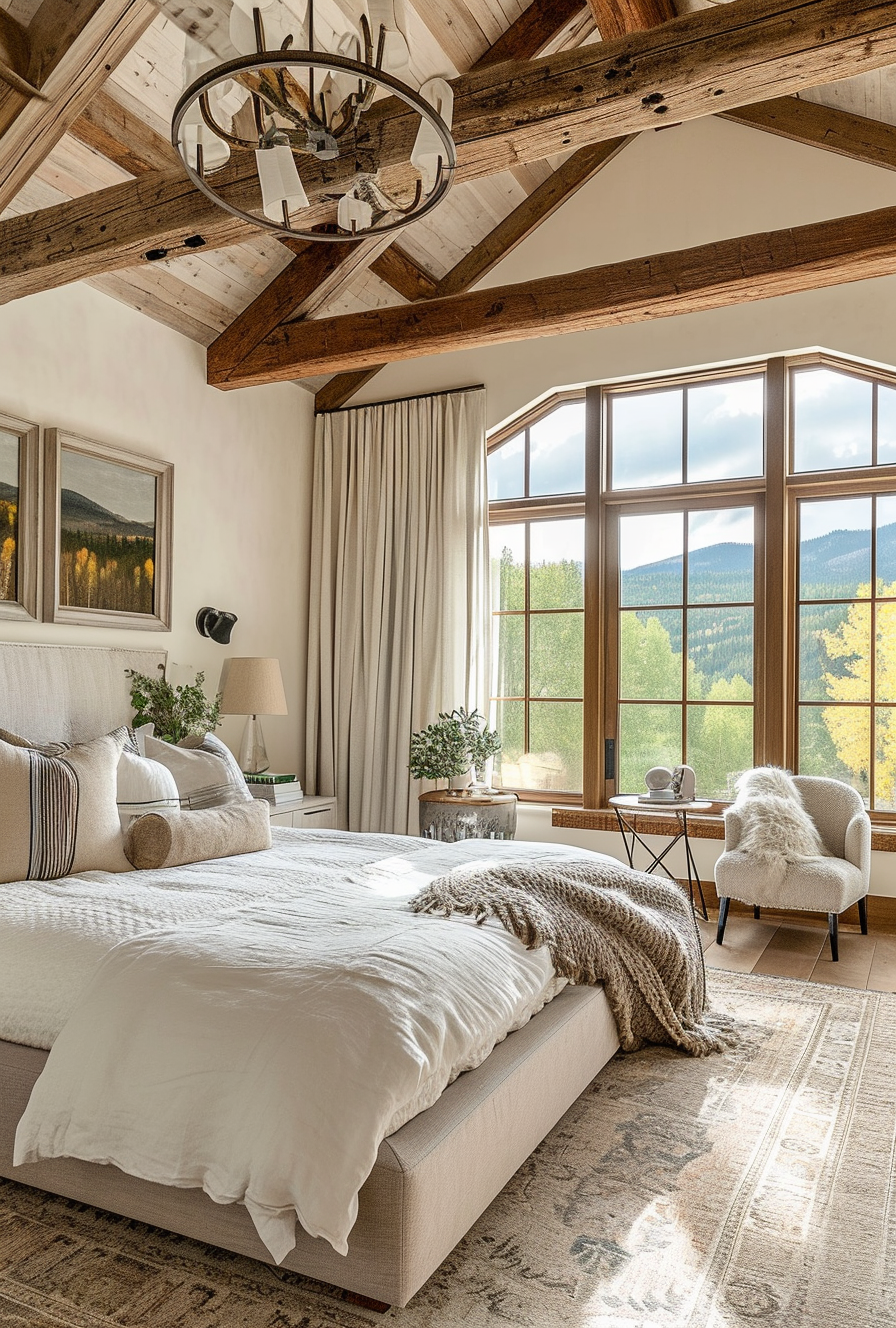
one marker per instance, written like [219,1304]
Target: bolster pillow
[216,832]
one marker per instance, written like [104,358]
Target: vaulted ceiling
[89,183]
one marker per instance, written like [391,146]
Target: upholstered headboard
[70,693]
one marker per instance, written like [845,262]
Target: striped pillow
[204,769]
[59,811]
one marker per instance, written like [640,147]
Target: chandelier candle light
[316,121]
[252,687]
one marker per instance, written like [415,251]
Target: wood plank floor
[789,950]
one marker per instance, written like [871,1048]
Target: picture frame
[108,526]
[19,519]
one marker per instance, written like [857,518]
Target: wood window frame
[515,511]
[775,496]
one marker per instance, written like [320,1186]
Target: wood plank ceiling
[87,88]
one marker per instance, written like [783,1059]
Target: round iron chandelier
[320,169]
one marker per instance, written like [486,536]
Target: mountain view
[82,514]
[106,561]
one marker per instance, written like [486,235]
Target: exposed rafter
[754,267]
[535,28]
[870,141]
[522,221]
[306,285]
[713,60]
[121,137]
[614,18]
[73,46]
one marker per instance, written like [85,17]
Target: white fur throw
[775,825]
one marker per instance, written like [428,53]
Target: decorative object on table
[277,789]
[175,712]
[629,806]
[684,783]
[795,842]
[321,170]
[664,785]
[252,687]
[19,509]
[450,815]
[216,624]
[107,535]
[659,785]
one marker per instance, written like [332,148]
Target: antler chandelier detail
[307,113]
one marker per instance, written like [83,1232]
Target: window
[536,484]
[685,648]
[741,594]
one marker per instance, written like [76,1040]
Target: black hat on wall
[216,624]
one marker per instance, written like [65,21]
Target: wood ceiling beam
[121,137]
[710,276]
[713,60]
[614,18]
[73,47]
[317,272]
[872,142]
[542,203]
[535,28]
[397,269]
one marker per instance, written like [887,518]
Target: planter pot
[450,815]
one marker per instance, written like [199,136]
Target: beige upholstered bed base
[432,1178]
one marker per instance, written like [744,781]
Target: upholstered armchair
[820,885]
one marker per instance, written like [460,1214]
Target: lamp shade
[252,687]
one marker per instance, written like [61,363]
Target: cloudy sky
[9,458]
[128,493]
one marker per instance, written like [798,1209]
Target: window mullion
[775,731]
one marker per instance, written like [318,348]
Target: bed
[432,1177]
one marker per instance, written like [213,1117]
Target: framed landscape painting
[108,526]
[19,506]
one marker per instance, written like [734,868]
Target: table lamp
[252,687]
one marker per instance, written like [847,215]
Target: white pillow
[204,770]
[144,786]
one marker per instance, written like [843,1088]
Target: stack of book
[274,788]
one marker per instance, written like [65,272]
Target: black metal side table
[631,804]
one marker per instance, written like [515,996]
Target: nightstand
[305,813]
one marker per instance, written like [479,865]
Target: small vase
[459,783]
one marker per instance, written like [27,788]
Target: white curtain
[399,611]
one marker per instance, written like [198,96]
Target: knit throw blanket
[601,923]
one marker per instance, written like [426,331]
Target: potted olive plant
[460,742]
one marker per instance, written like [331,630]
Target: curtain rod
[395,401]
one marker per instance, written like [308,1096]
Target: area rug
[754,1188]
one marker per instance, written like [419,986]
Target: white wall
[80,361]
[670,190]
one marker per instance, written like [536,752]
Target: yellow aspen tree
[7,554]
[864,660]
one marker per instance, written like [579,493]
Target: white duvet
[256,1026]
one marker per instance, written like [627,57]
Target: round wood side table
[449,815]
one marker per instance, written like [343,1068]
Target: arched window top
[542,456]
